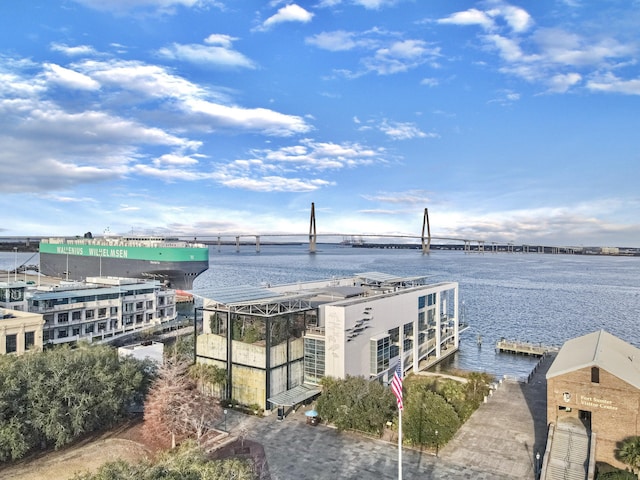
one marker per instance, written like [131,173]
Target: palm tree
[629,453]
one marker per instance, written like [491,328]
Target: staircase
[568,457]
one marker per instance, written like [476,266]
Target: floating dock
[523,348]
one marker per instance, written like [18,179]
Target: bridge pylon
[426,247]
[313,235]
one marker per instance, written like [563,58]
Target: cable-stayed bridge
[423,241]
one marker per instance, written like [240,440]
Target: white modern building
[100,308]
[277,343]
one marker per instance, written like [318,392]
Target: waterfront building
[20,331]
[12,295]
[101,308]
[277,342]
[593,385]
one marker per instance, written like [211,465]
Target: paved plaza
[498,442]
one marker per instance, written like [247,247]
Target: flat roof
[238,294]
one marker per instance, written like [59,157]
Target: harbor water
[536,298]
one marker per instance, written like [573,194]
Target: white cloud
[612,84]
[472,16]
[78,50]
[403,131]
[220,39]
[517,18]
[174,159]
[368,4]
[555,58]
[400,56]
[153,81]
[213,55]
[274,184]
[263,120]
[334,41]
[288,13]
[69,78]
[562,82]
[161,6]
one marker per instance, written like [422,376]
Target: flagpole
[400,444]
[400,426]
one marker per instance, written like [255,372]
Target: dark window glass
[12,343]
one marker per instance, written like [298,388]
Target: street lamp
[437,443]
[225,419]
[538,465]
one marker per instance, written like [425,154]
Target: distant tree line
[48,399]
[434,407]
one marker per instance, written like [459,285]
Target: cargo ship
[174,262]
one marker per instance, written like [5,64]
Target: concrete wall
[249,363]
[613,403]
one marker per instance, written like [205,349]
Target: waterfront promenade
[498,442]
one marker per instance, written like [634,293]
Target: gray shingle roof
[599,349]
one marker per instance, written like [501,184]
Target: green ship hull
[175,263]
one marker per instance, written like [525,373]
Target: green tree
[425,413]
[356,403]
[50,398]
[478,385]
[628,452]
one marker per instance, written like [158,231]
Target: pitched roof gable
[599,349]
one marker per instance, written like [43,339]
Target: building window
[595,375]
[77,315]
[139,318]
[45,335]
[102,312]
[139,305]
[102,326]
[75,331]
[114,310]
[89,314]
[63,317]
[89,328]
[421,302]
[149,304]
[149,317]
[431,299]
[29,340]
[313,360]
[379,355]
[48,318]
[11,343]
[63,332]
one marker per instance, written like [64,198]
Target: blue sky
[510,121]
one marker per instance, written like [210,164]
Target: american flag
[396,385]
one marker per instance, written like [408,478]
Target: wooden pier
[523,348]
